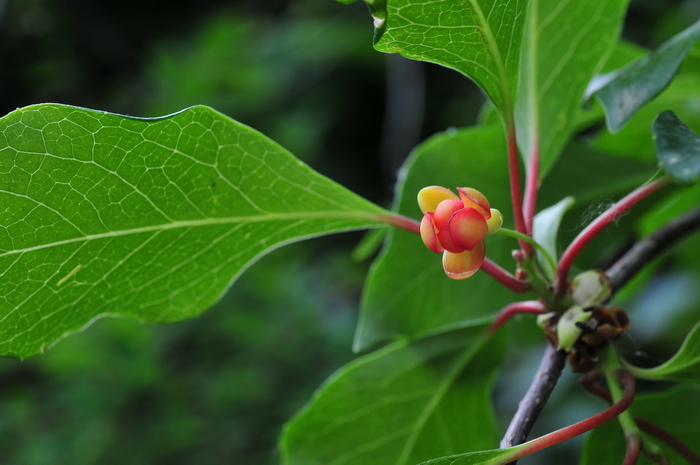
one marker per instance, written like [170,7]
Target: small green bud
[590,288]
[567,330]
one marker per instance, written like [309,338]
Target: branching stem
[534,307]
[595,227]
[504,277]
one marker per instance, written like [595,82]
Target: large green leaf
[478,38]
[677,147]
[626,90]
[565,43]
[683,366]
[407,292]
[401,405]
[485,457]
[153,219]
[677,411]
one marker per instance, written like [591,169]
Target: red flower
[457,226]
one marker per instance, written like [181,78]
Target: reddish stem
[633,447]
[596,226]
[400,221]
[515,188]
[583,426]
[532,181]
[503,277]
[588,382]
[509,311]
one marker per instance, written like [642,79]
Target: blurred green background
[217,389]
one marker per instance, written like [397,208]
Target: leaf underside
[677,148]
[153,219]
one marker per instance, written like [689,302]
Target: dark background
[217,389]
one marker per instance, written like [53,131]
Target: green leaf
[152,219]
[478,38]
[684,366]
[677,148]
[401,405]
[486,457]
[545,231]
[565,43]
[627,89]
[676,410]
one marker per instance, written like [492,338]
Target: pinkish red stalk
[532,181]
[595,227]
[583,426]
[534,307]
[634,445]
[503,277]
[516,189]
[401,221]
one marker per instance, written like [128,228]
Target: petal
[429,234]
[468,228]
[444,212]
[430,197]
[463,265]
[472,198]
[447,242]
[495,222]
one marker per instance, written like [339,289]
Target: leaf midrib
[270,217]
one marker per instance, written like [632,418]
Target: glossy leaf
[628,89]
[486,457]
[677,148]
[153,219]
[676,410]
[478,38]
[565,43]
[683,366]
[401,405]
[545,229]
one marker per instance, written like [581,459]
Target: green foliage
[684,366]
[565,43]
[152,219]
[478,38]
[677,147]
[402,404]
[626,90]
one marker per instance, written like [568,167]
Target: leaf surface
[546,227]
[401,405]
[565,43]
[478,38]
[153,219]
[684,366]
[677,147]
[626,90]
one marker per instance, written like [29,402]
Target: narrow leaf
[684,366]
[401,405]
[565,43]
[627,89]
[153,219]
[478,38]
[546,228]
[486,457]
[677,147]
